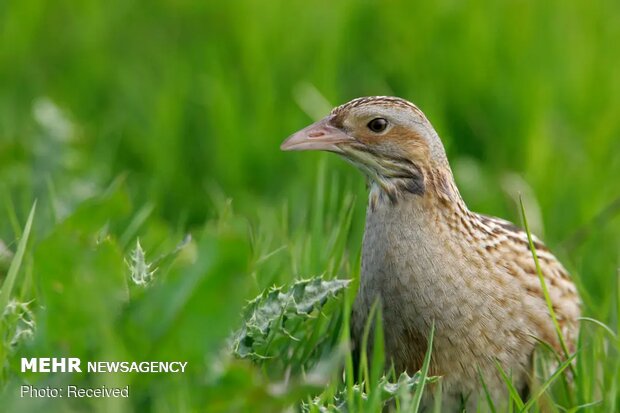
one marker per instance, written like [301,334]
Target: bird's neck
[430,194]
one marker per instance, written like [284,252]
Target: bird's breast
[404,264]
[422,274]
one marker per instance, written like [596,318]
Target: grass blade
[602,325]
[548,383]
[514,394]
[16,263]
[487,395]
[346,338]
[135,224]
[10,213]
[378,361]
[417,396]
[543,285]
[364,373]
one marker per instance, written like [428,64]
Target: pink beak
[320,136]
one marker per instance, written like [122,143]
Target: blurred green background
[154,120]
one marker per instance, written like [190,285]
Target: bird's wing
[513,242]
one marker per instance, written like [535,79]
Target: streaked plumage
[428,259]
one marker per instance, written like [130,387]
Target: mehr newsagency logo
[75,365]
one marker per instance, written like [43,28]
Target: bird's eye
[377,125]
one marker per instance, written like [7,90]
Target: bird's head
[388,138]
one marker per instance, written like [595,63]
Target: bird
[430,262]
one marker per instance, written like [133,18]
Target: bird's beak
[320,136]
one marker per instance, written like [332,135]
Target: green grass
[152,121]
